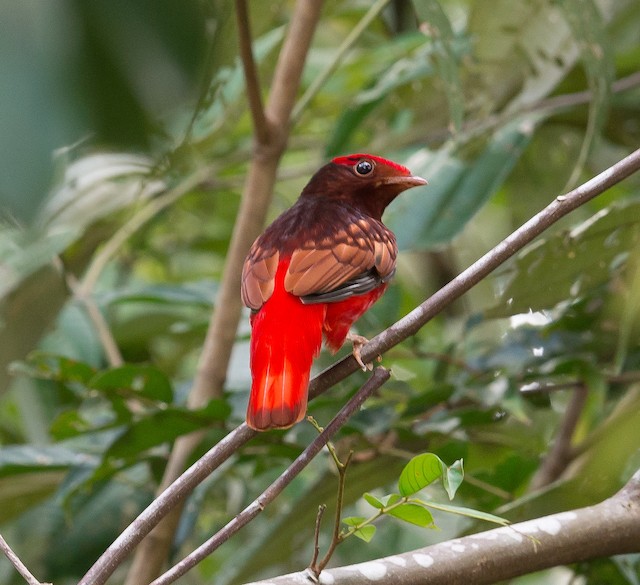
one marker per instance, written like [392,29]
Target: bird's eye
[364,167]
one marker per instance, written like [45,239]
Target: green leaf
[468,512]
[365,533]
[431,16]
[414,514]
[353,521]
[421,471]
[347,123]
[97,185]
[17,459]
[142,381]
[520,47]
[428,216]
[567,264]
[399,66]
[22,253]
[165,426]
[382,502]
[452,478]
[69,424]
[47,366]
[373,501]
[589,31]
[19,493]
[198,294]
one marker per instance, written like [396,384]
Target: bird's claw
[358,341]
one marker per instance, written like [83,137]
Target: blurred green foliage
[111,108]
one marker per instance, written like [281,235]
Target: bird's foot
[358,341]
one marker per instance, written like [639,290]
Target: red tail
[286,336]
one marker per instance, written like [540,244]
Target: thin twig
[578,98]
[316,534]
[146,213]
[561,454]
[254,96]
[107,340]
[18,564]
[379,376]
[335,537]
[548,387]
[487,487]
[343,49]
[547,106]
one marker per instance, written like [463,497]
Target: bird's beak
[404,182]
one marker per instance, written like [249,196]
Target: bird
[312,273]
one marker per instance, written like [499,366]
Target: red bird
[314,271]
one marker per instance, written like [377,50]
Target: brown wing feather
[320,265]
[385,252]
[362,245]
[258,276]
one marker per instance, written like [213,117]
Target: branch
[343,49]
[629,377]
[107,340]
[547,106]
[166,501]
[379,376]
[561,454]
[17,563]
[506,552]
[254,96]
[315,566]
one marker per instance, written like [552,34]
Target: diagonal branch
[254,97]
[17,563]
[343,49]
[561,453]
[506,552]
[379,376]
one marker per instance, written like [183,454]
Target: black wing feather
[358,285]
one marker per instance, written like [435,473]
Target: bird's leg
[358,341]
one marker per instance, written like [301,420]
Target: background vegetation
[126,139]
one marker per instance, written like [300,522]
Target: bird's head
[365,181]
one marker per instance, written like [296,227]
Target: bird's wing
[258,276]
[352,261]
[358,285]
[356,251]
